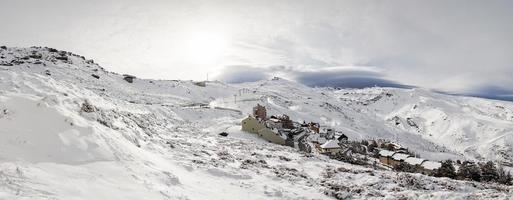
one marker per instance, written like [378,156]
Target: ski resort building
[331,147]
[267,129]
[252,124]
[385,157]
[429,167]
[260,112]
[392,159]
[272,135]
[398,158]
[282,130]
[416,162]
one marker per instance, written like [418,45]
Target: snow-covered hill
[71,130]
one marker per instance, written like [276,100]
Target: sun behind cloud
[206,47]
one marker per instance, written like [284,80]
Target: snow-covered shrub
[87,107]
[248,164]
[3,112]
[284,158]
[226,156]
[409,181]
[288,173]
[504,177]
[469,171]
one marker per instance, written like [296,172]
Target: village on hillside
[307,137]
[377,153]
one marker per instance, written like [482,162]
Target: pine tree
[489,171]
[405,167]
[469,170]
[446,170]
[503,177]
[372,146]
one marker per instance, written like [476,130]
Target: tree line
[468,170]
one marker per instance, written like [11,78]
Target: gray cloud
[241,74]
[343,77]
[492,92]
[346,80]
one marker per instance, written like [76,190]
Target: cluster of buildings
[282,130]
[394,158]
[311,137]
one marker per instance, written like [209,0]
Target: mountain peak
[13,56]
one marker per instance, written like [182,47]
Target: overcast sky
[452,46]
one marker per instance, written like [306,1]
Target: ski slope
[68,135]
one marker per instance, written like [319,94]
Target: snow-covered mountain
[71,130]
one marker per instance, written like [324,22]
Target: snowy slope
[68,135]
[473,127]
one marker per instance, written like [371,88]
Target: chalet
[385,157]
[430,167]
[331,147]
[316,140]
[423,166]
[416,162]
[398,158]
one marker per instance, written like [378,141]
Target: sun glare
[206,47]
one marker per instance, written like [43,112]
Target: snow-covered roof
[431,165]
[317,138]
[274,120]
[330,144]
[414,161]
[386,153]
[400,156]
